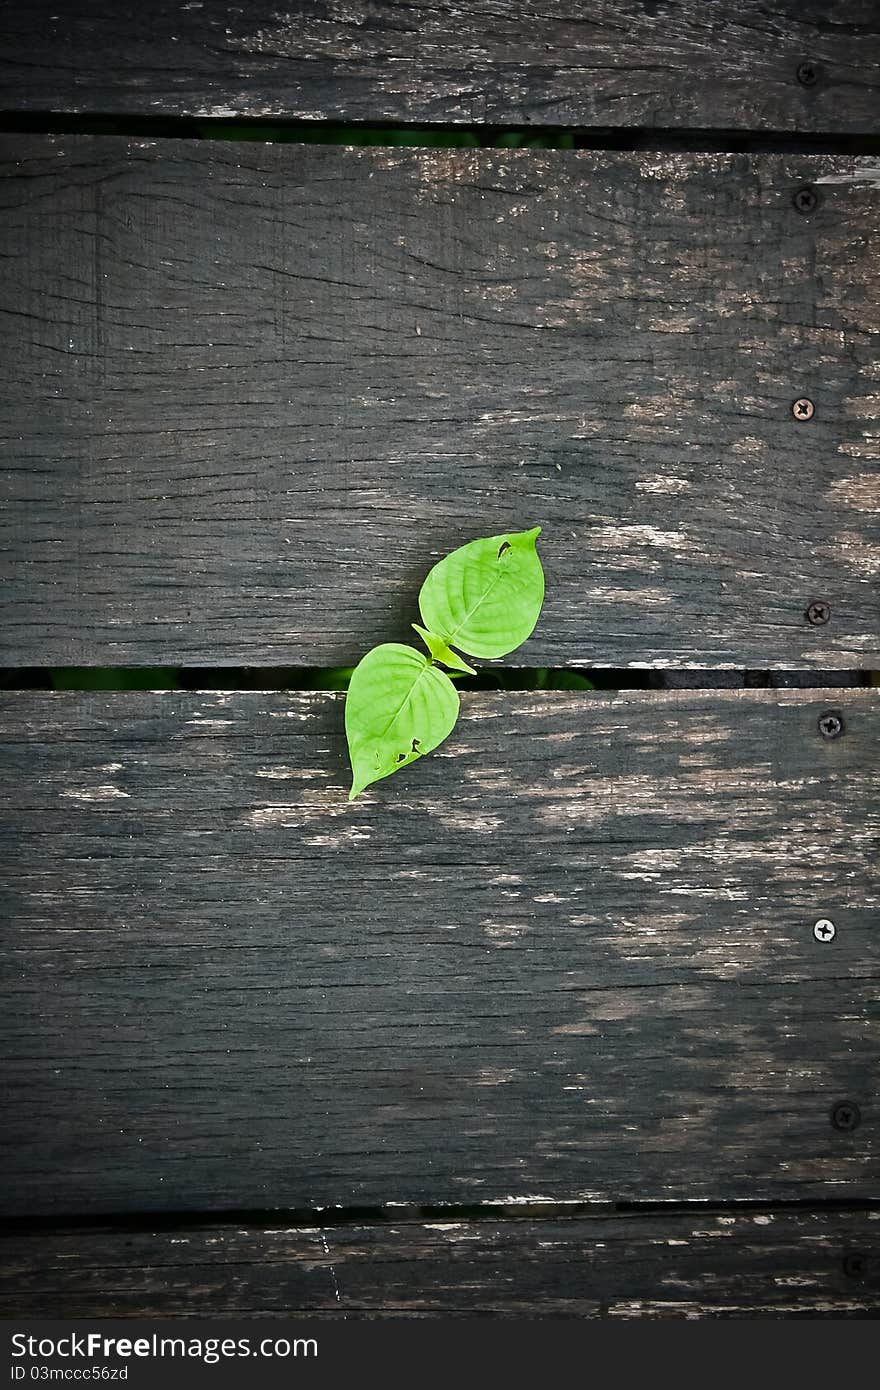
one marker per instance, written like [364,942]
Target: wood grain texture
[609,63]
[253,392]
[773,1263]
[570,955]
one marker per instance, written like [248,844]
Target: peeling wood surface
[252,392]
[608,63]
[569,956]
[773,1263]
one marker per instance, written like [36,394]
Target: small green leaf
[440,652]
[398,707]
[486,596]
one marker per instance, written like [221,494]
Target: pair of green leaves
[483,598]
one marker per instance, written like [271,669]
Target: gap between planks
[406,1213]
[300,679]
[439,136]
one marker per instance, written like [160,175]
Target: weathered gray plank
[252,392]
[773,1263]
[569,956]
[612,63]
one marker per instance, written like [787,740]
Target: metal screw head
[806,200]
[807,74]
[824,930]
[831,724]
[855,1265]
[818,612]
[845,1116]
[803,409]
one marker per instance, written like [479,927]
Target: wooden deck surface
[760,1263]
[569,956]
[553,1021]
[254,391]
[777,65]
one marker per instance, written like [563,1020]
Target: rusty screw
[818,612]
[807,74]
[824,930]
[846,1116]
[831,724]
[803,409]
[806,200]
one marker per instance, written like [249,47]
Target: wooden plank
[756,64]
[569,956]
[252,392]
[773,1264]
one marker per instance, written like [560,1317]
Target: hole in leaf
[401,757]
[416,745]
[505,545]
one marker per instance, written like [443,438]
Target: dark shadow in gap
[269,130]
[94,678]
[399,1213]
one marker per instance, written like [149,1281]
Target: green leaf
[399,706]
[440,652]
[486,596]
